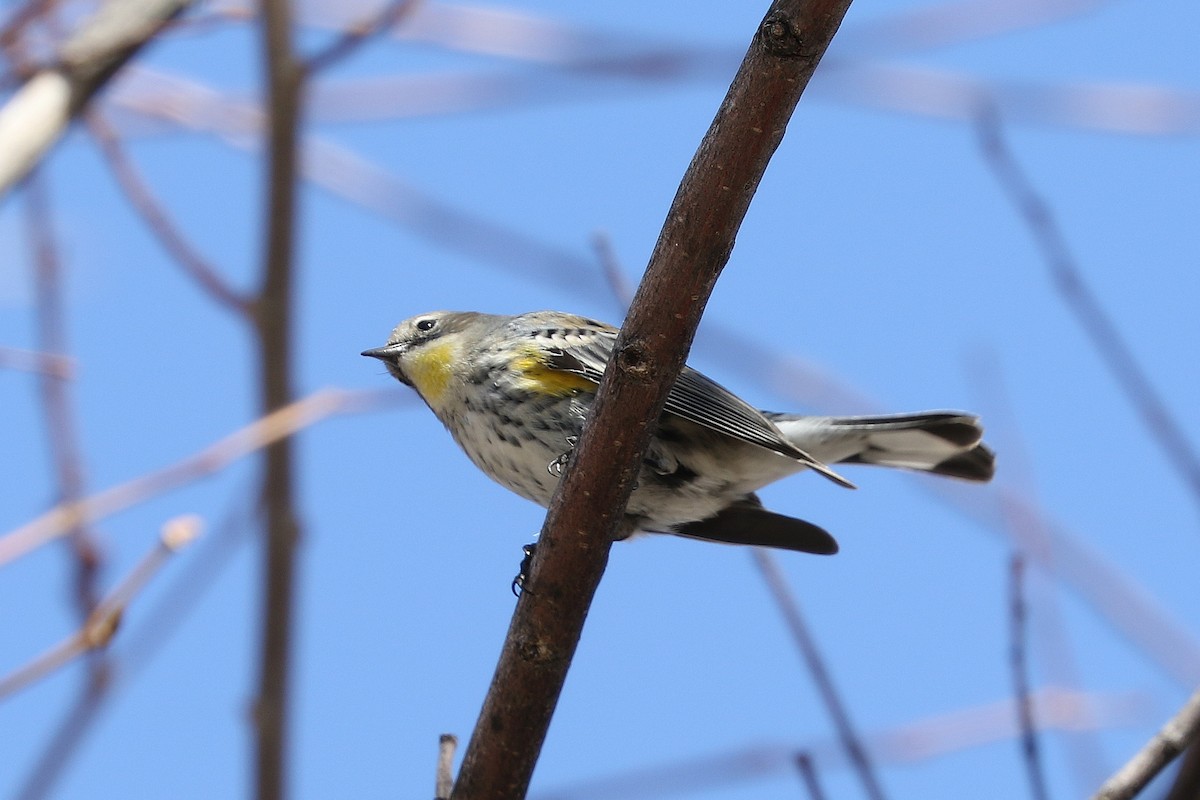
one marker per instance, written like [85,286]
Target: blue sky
[879,259]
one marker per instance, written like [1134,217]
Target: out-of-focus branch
[588,507]
[274,333]
[159,619]
[353,37]
[917,742]
[255,436]
[808,774]
[1081,300]
[35,117]
[56,364]
[102,623]
[1019,664]
[815,662]
[56,403]
[1178,734]
[156,218]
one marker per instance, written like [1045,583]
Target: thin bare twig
[255,436]
[1180,732]
[1019,664]
[60,421]
[1082,301]
[102,622]
[808,774]
[275,336]
[359,34]
[156,218]
[587,510]
[1030,536]
[919,741]
[160,618]
[444,783]
[847,735]
[621,288]
[55,364]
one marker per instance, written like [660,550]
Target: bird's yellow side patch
[431,369]
[545,380]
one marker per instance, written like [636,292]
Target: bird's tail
[942,443]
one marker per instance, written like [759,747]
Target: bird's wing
[585,351]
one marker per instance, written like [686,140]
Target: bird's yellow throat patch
[545,380]
[431,369]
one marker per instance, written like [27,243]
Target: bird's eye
[426,324]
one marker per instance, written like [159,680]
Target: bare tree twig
[102,622]
[35,117]
[61,426]
[847,735]
[587,509]
[161,617]
[56,364]
[273,327]
[1083,303]
[808,774]
[918,741]
[1020,671]
[155,216]
[355,36]
[444,784]
[255,436]
[621,288]
[1180,732]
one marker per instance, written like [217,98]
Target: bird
[514,391]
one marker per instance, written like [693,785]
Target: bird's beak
[385,353]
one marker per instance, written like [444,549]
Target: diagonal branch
[1082,301]
[35,117]
[155,216]
[848,736]
[587,510]
[1180,732]
[1019,663]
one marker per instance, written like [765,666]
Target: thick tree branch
[588,507]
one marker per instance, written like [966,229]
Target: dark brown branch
[156,218]
[1020,672]
[849,737]
[1182,731]
[1187,779]
[1079,298]
[587,510]
[273,312]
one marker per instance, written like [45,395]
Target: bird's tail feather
[940,442]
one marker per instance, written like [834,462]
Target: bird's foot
[518,583]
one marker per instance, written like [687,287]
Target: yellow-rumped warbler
[514,392]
